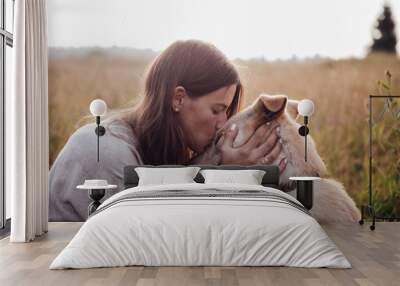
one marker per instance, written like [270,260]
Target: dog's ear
[274,103]
[292,108]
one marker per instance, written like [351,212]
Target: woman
[191,90]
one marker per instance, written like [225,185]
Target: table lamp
[98,108]
[305,109]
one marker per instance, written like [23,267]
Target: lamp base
[96,195]
[303,130]
[305,193]
[100,130]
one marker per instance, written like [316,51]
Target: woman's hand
[263,147]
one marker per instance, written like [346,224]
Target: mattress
[201,225]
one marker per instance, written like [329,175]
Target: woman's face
[201,117]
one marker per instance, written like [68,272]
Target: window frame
[6,39]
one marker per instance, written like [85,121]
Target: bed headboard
[270,179]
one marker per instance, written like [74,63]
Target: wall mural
[193,86]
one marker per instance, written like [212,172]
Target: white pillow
[162,176]
[248,177]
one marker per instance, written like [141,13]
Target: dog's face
[281,111]
[265,109]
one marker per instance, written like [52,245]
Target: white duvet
[226,231]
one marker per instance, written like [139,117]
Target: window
[6,43]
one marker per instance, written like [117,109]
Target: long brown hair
[197,66]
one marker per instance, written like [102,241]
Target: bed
[199,224]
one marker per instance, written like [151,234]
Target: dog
[331,201]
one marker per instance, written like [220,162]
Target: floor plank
[374,255]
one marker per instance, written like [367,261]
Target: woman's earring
[176,109]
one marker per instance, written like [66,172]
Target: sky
[272,29]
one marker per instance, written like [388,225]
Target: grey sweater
[77,161]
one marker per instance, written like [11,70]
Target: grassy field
[339,125]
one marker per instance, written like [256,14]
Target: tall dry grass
[339,90]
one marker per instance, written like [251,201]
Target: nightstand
[96,193]
[304,190]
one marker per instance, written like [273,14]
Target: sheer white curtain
[27,123]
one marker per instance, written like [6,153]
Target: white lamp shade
[98,107]
[305,107]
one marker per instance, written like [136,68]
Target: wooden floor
[374,255]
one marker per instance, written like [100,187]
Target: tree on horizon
[384,37]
